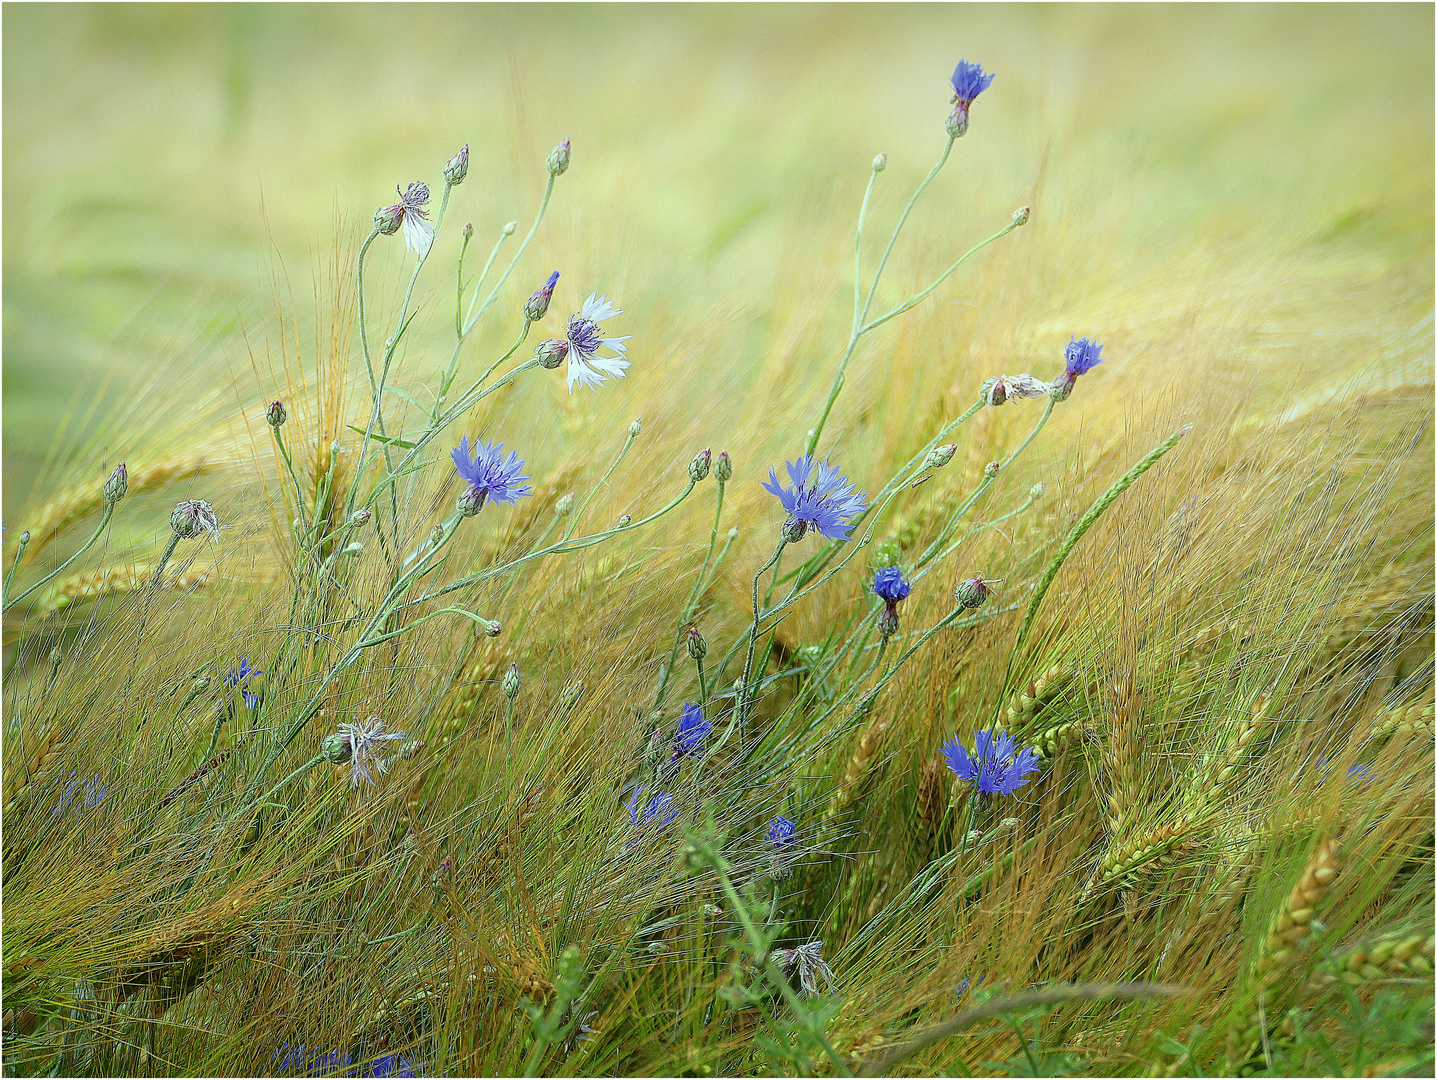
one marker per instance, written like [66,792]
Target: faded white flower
[410,213]
[811,965]
[585,339]
[364,740]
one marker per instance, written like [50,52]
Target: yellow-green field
[1224,862]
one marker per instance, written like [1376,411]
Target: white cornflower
[409,212]
[364,739]
[194,516]
[585,339]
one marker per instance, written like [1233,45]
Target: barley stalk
[863,753]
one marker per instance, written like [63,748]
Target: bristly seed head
[192,517]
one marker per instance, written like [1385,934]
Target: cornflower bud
[471,501]
[699,466]
[565,505]
[551,354]
[275,414]
[723,468]
[558,163]
[625,521]
[436,536]
[117,484]
[1020,215]
[634,429]
[493,627]
[698,647]
[990,470]
[360,518]
[469,230]
[571,694]
[511,682]
[458,167]
[538,303]
[880,163]
[510,227]
[733,533]
[972,592]
[940,456]
[1036,491]
[387,219]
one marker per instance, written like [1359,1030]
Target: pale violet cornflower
[819,499]
[996,766]
[585,339]
[364,741]
[409,213]
[968,81]
[811,966]
[240,677]
[489,474]
[660,807]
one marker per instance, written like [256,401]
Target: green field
[1224,862]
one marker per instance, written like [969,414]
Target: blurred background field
[156,156]
[1235,200]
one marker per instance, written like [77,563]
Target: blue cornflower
[1080,357]
[1357,771]
[693,729]
[996,766]
[317,1064]
[968,82]
[889,586]
[94,793]
[240,677]
[659,804]
[964,982]
[490,475]
[819,499]
[780,831]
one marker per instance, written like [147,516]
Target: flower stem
[104,520]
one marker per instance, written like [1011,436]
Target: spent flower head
[364,740]
[585,338]
[818,499]
[996,766]
[489,474]
[192,517]
[411,213]
[808,958]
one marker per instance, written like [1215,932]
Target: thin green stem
[489,300]
[104,521]
[933,172]
[692,603]
[20,546]
[918,298]
[746,691]
[574,518]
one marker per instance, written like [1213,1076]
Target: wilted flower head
[489,473]
[693,729]
[364,741]
[819,499]
[996,766]
[808,958]
[240,677]
[973,592]
[192,517]
[585,339]
[660,807]
[411,213]
[968,82]
[1080,357]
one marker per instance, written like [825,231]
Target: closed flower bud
[625,520]
[1036,491]
[565,505]
[387,219]
[634,429]
[990,470]
[335,749]
[458,167]
[698,647]
[972,592]
[360,518]
[538,303]
[880,163]
[723,468]
[733,533]
[1020,215]
[699,466]
[117,484]
[275,414]
[571,694]
[940,456]
[558,163]
[469,230]
[471,501]
[493,627]
[511,682]
[551,354]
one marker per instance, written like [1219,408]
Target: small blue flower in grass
[660,807]
[693,729]
[1356,772]
[819,499]
[968,82]
[300,1061]
[996,765]
[780,831]
[240,677]
[964,982]
[1080,358]
[94,793]
[489,474]
[889,586]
